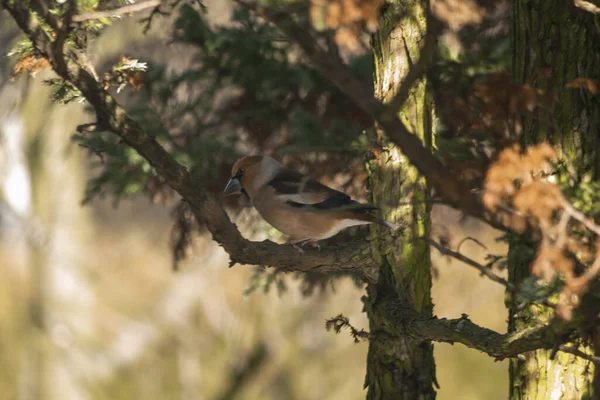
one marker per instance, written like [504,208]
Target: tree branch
[581,217]
[351,258]
[575,351]
[406,322]
[115,12]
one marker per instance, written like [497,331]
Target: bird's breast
[301,223]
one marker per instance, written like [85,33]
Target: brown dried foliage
[489,104]
[347,18]
[583,83]
[513,180]
[31,63]
[458,13]
[136,80]
[117,77]
[516,183]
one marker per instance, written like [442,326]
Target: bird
[295,204]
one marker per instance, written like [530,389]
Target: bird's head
[245,172]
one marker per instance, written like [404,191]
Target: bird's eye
[241,171]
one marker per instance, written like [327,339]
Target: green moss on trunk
[399,367]
[534,376]
[554,43]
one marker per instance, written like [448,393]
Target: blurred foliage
[64,92]
[455,78]
[533,291]
[583,195]
[310,282]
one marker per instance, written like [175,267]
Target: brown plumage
[296,204]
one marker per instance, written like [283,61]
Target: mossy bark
[534,375]
[554,43]
[400,367]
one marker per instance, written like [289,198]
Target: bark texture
[399,366]
[554,43]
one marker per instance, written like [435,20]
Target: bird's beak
[234,186]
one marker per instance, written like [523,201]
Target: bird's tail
[388,224]
[366,213]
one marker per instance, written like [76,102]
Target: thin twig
[115,12]
[87,128]
[575,351]
[41,7]
[561,228]
[469,261]
[589,273]
[581,217]
[472,239]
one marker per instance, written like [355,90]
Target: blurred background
[92,308]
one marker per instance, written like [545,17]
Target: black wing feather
[290,182]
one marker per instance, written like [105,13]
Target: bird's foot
[312,243]
[303,242]
[294,244]
[300,250]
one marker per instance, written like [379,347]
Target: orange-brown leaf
[31,63]
[583,83]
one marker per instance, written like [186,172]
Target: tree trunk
[61,299]
[554,43]
[399,367]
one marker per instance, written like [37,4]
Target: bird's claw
[312,243]
[295,246]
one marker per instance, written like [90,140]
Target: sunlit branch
[407,322]
[116,12]
[581,217]
[587,6]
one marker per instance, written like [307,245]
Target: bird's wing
[298,190]
[293,186]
